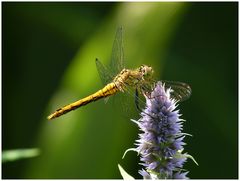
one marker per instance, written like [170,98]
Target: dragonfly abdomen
[108,90]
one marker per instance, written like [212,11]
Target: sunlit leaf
[13,155]
[124,174]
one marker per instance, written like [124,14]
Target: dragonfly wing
[117,58]
[181,91]
[104,73]
[124,101]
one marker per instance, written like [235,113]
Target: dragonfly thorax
[133,78]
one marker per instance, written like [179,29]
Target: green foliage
[14,155]
[124,174]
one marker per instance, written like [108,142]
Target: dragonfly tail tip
[50,117]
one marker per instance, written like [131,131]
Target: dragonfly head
[146,71]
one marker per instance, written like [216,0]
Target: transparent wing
[117,58]
[125,102]
[104,73]
[181,91]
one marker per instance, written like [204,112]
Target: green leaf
[13,155]
[124,174]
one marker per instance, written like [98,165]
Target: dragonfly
[117,78]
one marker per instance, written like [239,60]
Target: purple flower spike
[160,144]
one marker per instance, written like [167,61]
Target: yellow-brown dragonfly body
[134,78]
[118,79]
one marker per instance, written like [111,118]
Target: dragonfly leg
[137,104]
[137,100]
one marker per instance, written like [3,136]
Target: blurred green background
[49,52]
